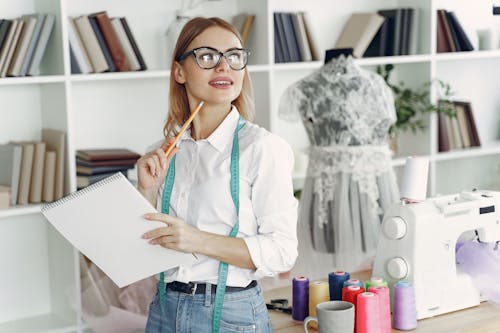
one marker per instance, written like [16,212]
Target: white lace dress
[346,111]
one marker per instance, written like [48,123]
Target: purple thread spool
[405,309]
[300,295]
[336,282]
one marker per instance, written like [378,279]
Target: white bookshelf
[40,270]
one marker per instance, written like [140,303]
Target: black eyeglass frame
[221,54]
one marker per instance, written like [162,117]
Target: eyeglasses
[208,57]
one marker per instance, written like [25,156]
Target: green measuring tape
[235,193]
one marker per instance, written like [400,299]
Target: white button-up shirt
[201,196]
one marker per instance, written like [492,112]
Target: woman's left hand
[176,235]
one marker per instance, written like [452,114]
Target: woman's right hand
[152,169]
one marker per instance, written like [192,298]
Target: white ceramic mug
[333,317]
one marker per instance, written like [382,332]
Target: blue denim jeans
[243,311]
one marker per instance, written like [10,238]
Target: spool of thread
[336,283]
[414,182]
[350,293]
[367,313]
[318,292]
[353,282]
[300,297]
[375,281]
[405,310]
[384,306]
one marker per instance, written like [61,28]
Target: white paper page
[105,222]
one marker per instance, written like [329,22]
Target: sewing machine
[417,243]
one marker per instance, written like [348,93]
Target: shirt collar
[223,134]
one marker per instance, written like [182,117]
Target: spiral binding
[81,192]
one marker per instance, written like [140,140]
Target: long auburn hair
[178,101]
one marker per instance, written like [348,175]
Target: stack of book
[293,40]
[451,36]
[93,165]
[33,171]
[99,44]
[457,132]
[23,42]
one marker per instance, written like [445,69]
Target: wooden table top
[484,318]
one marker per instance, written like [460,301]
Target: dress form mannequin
[346,111]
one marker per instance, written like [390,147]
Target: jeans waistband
[200,288]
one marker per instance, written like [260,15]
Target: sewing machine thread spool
[318,293]
[375,281]
[367,313]
[336,283]
[405,310]
[300,296]
[384,306]
[414,182]
[350,293]
[353,282]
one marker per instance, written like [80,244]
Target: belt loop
[208,294]
[193,289]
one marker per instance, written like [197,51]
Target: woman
[219,152]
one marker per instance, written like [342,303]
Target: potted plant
[412,103]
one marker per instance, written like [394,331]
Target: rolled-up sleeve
[274,248]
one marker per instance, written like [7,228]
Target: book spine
[37,173]
[125,44]
[102,44]
[449,37]
[12,47]
[41,45]
[22,46]
[453,32]
[80,57]
[4,31]
[443,142]
[7,44]
[112,42]
[49,174]
[25,179]
[91,44]
[32,44]
[134,44]
[443,44]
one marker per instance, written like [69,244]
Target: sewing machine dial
[394,227]
[397,268]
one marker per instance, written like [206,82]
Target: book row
[451,36]
[99,44]
[388,32]
[459,131]
[33,171]
[293,41]
[397,35]
[23,42]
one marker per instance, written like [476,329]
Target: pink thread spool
[367,313]
[384,302]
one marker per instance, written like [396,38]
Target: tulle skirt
[348,239]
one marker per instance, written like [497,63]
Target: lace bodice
[341,104]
